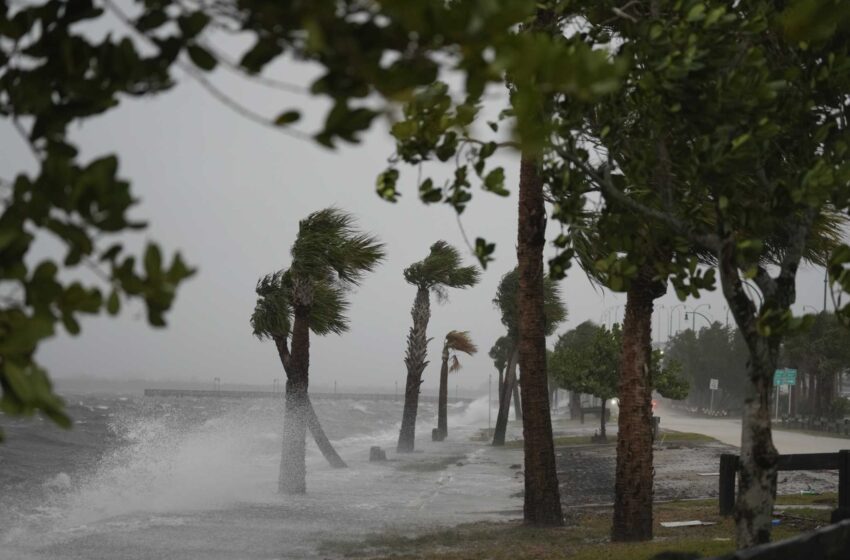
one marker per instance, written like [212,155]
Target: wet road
[728,430]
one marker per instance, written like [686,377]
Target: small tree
[455,341]
[500,353]
[506,300]
[329,257]
[441,269]
[586,360]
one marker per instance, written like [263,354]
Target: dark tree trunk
[542,505]
[442,406]
[505,401]
[602,409]
[321,439]
[293,473]
[417,347]
[313,423]
[501,381]
[633,484]
[517,402]
[575,405]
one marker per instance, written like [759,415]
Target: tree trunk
[542,506]
[501,381]
[633,483]
[417,347]
[293,472]
[321,439]
[757,482]
[602,409]
[575,405]
[442,406]
[517,403]
[505,401]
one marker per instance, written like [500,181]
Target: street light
[694,319]
[670,319]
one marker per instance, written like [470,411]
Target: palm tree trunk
[417,347]
[442,406]
[293,471]
[321,439]
[633,484]
[517,403]
[575,405]
[542,505]
[505,400]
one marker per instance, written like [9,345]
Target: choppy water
[196,479]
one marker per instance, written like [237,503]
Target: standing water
[195,478]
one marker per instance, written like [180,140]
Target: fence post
[843,510]
[728,476]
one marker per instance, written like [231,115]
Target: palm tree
[440,270]
[456,341]
[329,257]
[506,300]
[500,353]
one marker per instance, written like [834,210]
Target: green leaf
[153,261]
[193,24]
[495,182]
[201,57]
[287,117]
[113,303]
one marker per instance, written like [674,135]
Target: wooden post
[843,510]
[728,478]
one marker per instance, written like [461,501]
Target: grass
[668,436]
[817,433]
[586,537]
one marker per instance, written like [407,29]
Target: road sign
[713,384]
[785,376]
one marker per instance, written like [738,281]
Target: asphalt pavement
[728,430]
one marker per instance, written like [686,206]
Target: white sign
[713,384]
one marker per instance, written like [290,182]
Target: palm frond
[555,311]
[272,316]
[442,268]
[460,341]
[500,352]
[455,365]
[329,242]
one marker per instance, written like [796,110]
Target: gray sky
[228,194]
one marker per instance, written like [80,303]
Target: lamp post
[815,311]
[694,319]
[670,319]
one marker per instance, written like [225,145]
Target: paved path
[728,430]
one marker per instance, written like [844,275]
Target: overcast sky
[228,194]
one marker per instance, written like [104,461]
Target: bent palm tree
[500,353]
[329,257]
[440,270]
[506,300]
[456,341]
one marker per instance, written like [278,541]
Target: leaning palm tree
[500,353]
[329,257]
[456,341]
[440,270]
[554,313]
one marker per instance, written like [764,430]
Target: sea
[196,478]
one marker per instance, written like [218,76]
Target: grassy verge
[586,537]
[816,433]
[436,464]
[667,436]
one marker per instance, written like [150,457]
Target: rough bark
[442,406]
[505,400]
[633,483]
[417,346]
[542,505]
[293,474]
[321,439]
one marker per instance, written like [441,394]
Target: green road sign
[785,376]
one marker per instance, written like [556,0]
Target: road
[728,430]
